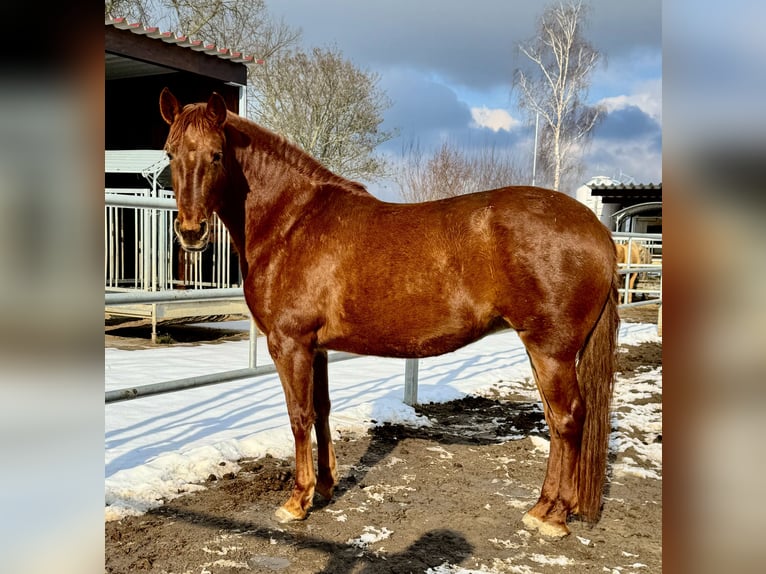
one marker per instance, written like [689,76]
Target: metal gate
[140,252]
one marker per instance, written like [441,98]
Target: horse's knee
[301,424]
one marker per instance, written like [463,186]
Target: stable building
[140,252]
[624,207]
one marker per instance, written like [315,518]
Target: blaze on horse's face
[195,146]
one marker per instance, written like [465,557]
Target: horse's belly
[403,337]
[399,347]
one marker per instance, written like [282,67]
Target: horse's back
[423,279]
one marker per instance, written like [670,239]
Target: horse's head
[196,147]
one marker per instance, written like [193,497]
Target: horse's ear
[169,106]
[216,109]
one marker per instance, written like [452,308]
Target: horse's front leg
[294,361]
[328,474]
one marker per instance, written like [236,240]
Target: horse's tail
[595,373]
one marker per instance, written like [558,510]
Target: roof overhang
[134,50]
[632,193]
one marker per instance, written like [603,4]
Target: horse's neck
[232,214]
[275,182]
[277,156]
[279,174]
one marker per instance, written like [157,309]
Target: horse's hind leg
[564,412]
[294,362]
[328,476]
[631,286]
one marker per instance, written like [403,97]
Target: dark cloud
[626,122]
[428,112]
[627,145]
[618,29]
[471,44]
[436,59]
[421,105]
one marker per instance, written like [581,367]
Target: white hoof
[545,528]
[283,515]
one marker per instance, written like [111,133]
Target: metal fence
[649,279]
[140,252]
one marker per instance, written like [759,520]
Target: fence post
[253,344]
[411,382]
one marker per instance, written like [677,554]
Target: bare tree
[326,105]
[555,87]
[318,99]
[451,171]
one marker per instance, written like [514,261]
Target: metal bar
[628,235]
[253,355]
[130,297]
[411,382]
[139,201]
[153,246]
[640,303]
[137,252]
[630,269]
[130,393]
[146,247]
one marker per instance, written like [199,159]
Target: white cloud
[495,119]
[647,98]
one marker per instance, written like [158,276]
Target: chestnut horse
[638,255]
[326,265]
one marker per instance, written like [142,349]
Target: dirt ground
[441,499]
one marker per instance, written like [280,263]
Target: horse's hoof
[283,515]
[551,529]
[324,492]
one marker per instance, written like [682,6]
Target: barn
[139,249]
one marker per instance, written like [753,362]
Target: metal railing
[139,246]
[649,278]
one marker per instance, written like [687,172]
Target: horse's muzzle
[192,238]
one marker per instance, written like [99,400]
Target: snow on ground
[159,445]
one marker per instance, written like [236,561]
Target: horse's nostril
[203,228]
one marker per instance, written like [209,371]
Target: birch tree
[554,87]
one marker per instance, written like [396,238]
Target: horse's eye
[216,157]
[170,155]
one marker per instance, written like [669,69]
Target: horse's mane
[271,142]
[292,154]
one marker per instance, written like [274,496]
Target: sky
[448,69]
[158,446]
